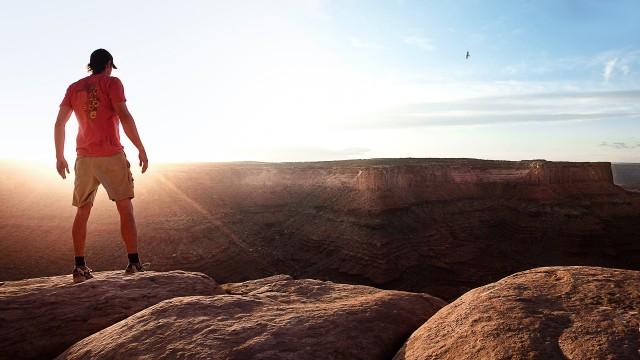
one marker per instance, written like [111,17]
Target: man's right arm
[130,129]
[61,121]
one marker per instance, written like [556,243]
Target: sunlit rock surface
[40,318]
[274,318]
[547,313]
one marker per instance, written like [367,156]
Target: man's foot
[133,268]
[81,273]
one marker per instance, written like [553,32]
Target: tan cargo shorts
[113,172]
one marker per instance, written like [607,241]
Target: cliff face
[523,172]
[412,173]
[441,226]
[627,175]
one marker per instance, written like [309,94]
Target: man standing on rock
[99,104]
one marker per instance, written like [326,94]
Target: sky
[312,80]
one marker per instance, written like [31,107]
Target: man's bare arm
[130,129]
[58,133]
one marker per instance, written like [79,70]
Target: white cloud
[617,67]
[625,69]
[619,145]
[608,69]
[619,64]
[551,107]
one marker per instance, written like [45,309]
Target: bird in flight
[467,55]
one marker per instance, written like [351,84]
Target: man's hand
[61,166]
[144,162]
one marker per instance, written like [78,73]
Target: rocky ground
[545,313]
[188,315]
[383,240]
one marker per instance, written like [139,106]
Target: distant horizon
[134,165]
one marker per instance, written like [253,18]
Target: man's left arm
[130,129]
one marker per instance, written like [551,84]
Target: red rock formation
[547,313]
[440,226]
[429,225]
[627,176]
[470,172]
[40,318]
[275,318]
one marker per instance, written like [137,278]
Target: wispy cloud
[415,38]
[620,145]
[608,69]
[517,109]
[620,65]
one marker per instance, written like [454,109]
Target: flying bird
[467,55]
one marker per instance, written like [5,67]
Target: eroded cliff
[441,226]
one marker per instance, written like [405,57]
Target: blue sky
[306,80]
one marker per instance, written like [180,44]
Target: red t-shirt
[92,100]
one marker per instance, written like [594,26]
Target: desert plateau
[320,180]
[357,259]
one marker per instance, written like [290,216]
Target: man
[99,104]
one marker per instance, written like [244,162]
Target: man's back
[92,99]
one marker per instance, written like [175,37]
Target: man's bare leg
[79,234]
[79,229]
[128,227]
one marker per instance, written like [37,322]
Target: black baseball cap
[99,58]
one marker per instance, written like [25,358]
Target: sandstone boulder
[274,318]
[545,313]
[40,318]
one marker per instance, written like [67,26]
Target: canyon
[436,226]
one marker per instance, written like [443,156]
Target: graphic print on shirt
[93,101]
[87,102]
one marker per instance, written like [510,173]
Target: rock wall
[411,173]
[440,226]
[482,172]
